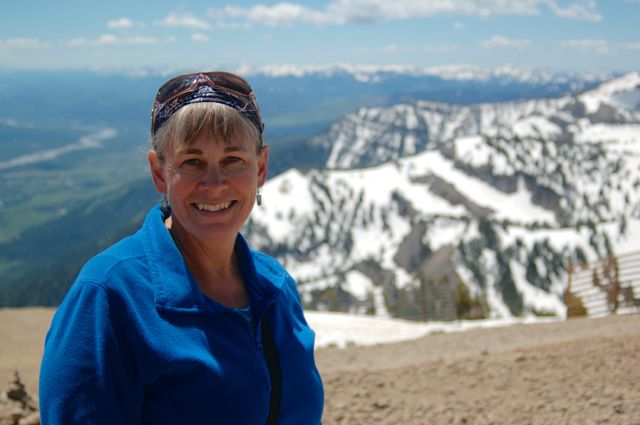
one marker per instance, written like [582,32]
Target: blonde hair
[186,124]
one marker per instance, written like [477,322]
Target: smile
[210,207]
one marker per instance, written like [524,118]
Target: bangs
[218,120]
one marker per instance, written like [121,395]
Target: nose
[213,178]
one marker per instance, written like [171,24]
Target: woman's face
[211,184]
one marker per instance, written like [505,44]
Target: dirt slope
[584,371]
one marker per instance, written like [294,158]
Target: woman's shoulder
[118,277]
[269,266]
[271,269]
[122,259]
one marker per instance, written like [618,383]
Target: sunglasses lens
[173,86]
[230,82]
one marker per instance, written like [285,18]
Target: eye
[192,164]
[232,160]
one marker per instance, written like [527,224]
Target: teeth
[208,207]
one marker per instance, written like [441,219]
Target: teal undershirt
[245,312]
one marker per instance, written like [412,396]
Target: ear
[157,171]
[263,165]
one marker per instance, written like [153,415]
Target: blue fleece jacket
[135,341]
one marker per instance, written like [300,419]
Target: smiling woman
[182,322]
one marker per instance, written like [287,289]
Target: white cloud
[140,39]
[458,26]
[24,43]
[110,39]
[588,45]
[280,14]
[199,37]
[184,20]
[633,46]
[499,41]
[107,39]
[122,23]
[102,40]
[583,11]
[341,12]
[391,48]
[222,25]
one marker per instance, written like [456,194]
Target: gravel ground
[580,371]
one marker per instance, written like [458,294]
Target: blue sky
[132,34]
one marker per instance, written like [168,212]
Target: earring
[164,205]
[259,198]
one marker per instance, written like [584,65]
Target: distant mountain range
[378,73]
[295,100]
[393,191]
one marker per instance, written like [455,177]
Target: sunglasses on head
[219,87]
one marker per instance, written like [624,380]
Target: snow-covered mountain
[434,211]
[374,135]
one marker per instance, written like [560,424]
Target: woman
[182,323]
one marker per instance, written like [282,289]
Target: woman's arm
[86,377]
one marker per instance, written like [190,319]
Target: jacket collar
[174,287]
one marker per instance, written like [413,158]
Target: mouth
[213,207]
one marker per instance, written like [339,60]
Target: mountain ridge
[519,190]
